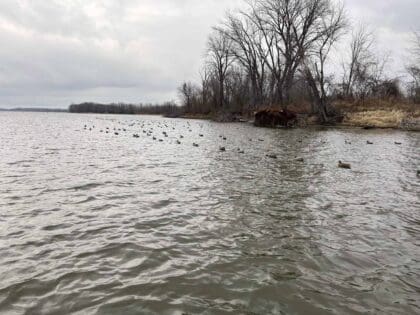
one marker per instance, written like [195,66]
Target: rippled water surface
[97,223]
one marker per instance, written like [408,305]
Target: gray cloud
[57,52]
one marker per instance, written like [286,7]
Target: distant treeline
[167,109]
[35,109]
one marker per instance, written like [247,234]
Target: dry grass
[378,113]
[376,118]
[379,105]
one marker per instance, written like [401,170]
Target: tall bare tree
[413,69]
[297,26]
[355,70]
[246,48]
[219,60]
[315,59]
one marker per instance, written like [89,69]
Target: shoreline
[406,124]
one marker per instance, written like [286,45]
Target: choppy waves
[95,223]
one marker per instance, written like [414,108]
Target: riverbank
[369,114]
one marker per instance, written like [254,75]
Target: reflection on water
[97,223]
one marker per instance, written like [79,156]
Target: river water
[97,223]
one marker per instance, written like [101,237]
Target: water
[95,223]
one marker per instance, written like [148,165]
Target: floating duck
[195,144]
[271,156]
[222,149]
[368,142]
[344,165]
[398,143]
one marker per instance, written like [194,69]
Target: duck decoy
[344,165]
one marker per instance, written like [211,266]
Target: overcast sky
[57,52]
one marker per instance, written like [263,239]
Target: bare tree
[297,26]
[219,60]
[413,69]
[246,48]
[361,58]
[314,64]
[186,93]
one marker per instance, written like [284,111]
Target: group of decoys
[148,129]
[348,166]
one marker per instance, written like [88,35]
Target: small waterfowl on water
[398,143]
[222,149]
[178,142]
[299,159]
[347,142]
[369,142]
[271,156]
[344,165]
[195,145]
